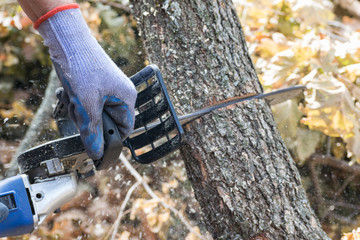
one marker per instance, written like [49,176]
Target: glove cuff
[53,12]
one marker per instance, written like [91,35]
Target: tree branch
[316,182]
[334,162]
[37,124]
[147,188]
[331,161]
[344,185]
[344,220]
[116,224]
[343,205]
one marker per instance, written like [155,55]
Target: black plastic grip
[112,146]
[145,74]
[153,106]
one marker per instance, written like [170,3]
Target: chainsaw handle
[112,144]
[112,139]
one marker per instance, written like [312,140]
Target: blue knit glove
[92,82]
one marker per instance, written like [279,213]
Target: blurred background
[313,43]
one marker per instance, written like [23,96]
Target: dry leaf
[156,215]
[354,235]
[19,110]
[165,187]
[331,109]
[124,236]
[315,12]
[192,235]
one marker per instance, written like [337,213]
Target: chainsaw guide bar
[273,98]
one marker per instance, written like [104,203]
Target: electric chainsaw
[49,173]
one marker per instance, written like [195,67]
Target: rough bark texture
[242,174]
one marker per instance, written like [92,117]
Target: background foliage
[304,42]
[291,42]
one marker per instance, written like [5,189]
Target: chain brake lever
[113,144]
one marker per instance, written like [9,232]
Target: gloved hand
[92,82]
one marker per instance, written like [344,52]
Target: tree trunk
[243,176]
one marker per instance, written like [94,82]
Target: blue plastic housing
[20,219]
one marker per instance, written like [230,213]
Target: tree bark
[243,176]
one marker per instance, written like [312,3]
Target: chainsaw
[49,173]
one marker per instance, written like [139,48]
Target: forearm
[37,8]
